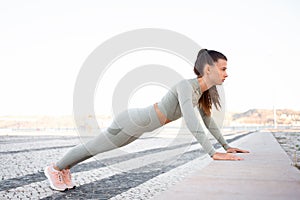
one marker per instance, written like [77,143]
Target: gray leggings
[126,127]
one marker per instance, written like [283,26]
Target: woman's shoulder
[185,84]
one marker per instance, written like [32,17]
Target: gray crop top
[180,102]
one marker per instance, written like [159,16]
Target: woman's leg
[127,127]
[105,141]
[59,175]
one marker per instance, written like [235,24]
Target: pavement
[151,167]
[266,173]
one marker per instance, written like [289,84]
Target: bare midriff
[162,118]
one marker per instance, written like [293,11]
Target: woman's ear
[207,69]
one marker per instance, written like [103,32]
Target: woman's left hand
[236,150]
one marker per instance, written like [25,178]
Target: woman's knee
[106,141]
[121,139]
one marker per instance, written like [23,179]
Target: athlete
[210,68]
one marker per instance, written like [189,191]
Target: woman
[210,68]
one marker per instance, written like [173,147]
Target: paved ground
[141,170]
[266,173]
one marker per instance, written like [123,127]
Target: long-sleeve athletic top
[180,102]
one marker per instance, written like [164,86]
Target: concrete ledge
[266,173]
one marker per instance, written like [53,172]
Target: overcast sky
[43,45]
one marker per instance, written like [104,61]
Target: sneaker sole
[71,188]
[51,185]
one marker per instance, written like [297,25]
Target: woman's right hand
[225,156]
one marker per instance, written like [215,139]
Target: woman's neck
[204,85]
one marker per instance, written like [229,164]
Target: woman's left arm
[215,131]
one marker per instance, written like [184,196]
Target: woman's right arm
[184,92]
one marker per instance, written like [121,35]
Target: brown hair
[210,96]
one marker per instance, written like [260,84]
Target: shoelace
[67,174]
[59,177]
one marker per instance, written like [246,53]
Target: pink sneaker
[68,178]
[55,178]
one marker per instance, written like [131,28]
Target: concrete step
[266,173]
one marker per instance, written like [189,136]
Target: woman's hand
[225,156]
[236,150]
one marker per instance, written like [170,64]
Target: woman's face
[218,72]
